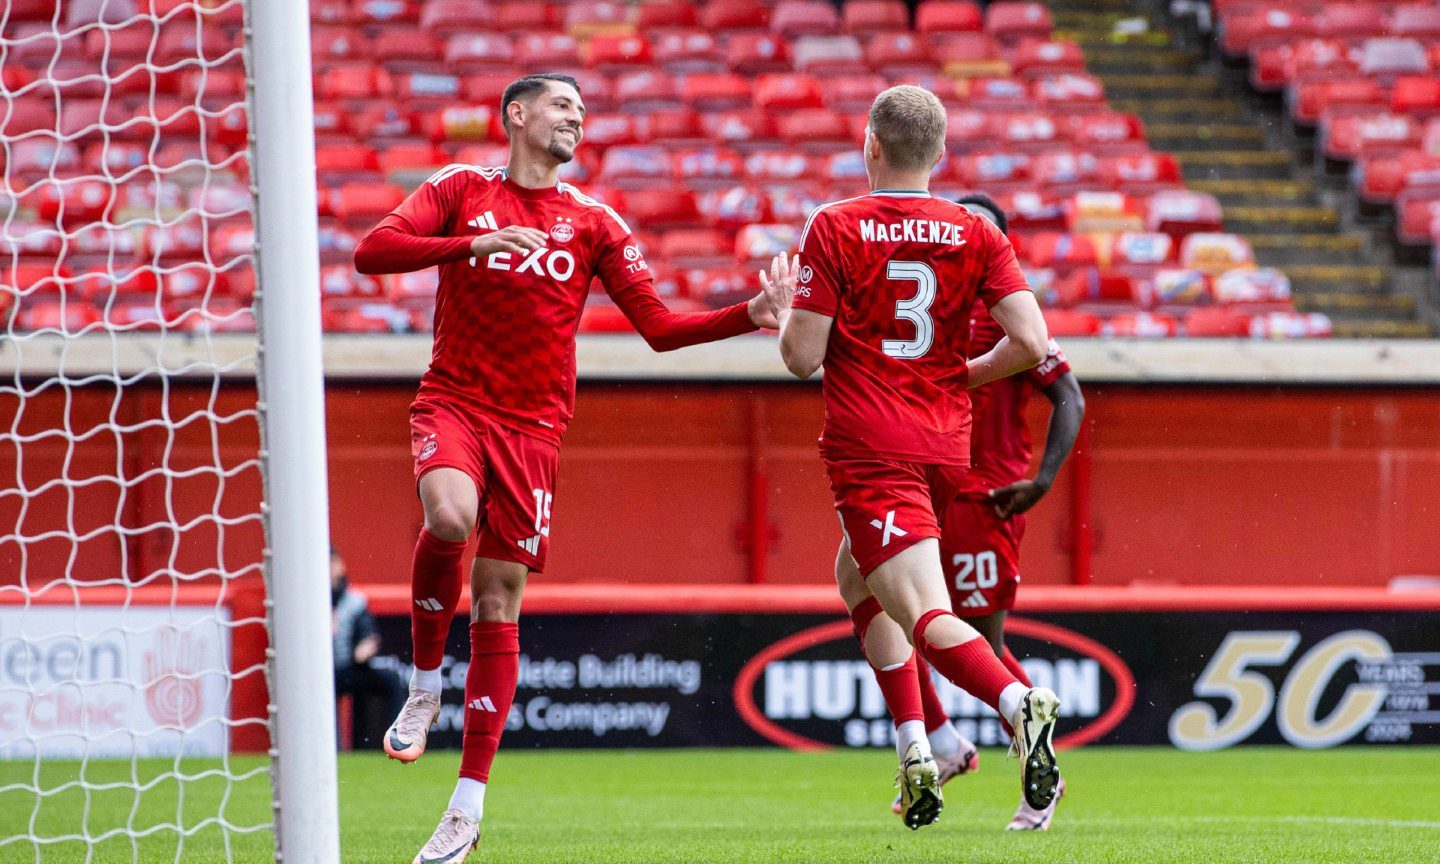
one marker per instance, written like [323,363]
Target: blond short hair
[910,124]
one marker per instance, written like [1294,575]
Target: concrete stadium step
[1233,164]
[1109,57]
[1282,249]
[1337,278]
[1263,189]
[1383,330]
[1168,85]
[1184,136]
[1296,217]
[1105,37]
[1172,110]
[1350,307]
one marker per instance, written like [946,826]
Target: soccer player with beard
[881,293]
[517,250]
[982,529]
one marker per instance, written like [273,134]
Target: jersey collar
[899,193]
[532,194]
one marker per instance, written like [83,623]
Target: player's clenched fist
[512,238]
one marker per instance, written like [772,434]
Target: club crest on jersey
[562,231]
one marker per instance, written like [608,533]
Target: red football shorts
[886,506]
[981,554]
[514,475]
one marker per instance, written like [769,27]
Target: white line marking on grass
[1301,820]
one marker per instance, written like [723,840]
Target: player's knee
[449,521]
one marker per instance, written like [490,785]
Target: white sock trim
[469,798]
[910,732]
[427,680]
[1010,699]
[946,742]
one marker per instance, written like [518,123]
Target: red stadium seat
[1214,253]
[1034,58]
[1141,252]
[550,50]
[1069,92]
[779,165]
[1320,60]
[387,121]
[1220,322]
[1243,29]
[1061,172]
[25,238]
[897,54]
[1011,22]
[327,42]
[996,171]
[969,130]
[741,15]
[1252,286]
[479,52]
[427,87]
[947,16]
[815,129]
[1141,173]
[1311,100]
[1064,323]
[1420,22]
[662,208]
[763,242]
[851,93]
[1345,135]
[1418,95]
[412,158]
[827,55]
[1417,216]
[636,165]
[523,17]
[346,160]
[1182,211]
[387,12]
[1061,251]
[1141,325]
[647,90]
[43,156]
[709,166]
[605,130]
[733,207]
[968,55]
[757,53]
[1108,133]
[614,53]
[72,316]
[1290,325]
[1093,212]
[786,92]
[793,18]
[1176,287]
[407,48]
[448,17]
[1382,178]
[652,16]
[864,17]
[738,127]
[688,51]
[698,247]
[352,81]
[587,20]
[330,12]
[716,91]
[1350,20]
[1387,58]
[673,128]
[1030,129]
[359,203]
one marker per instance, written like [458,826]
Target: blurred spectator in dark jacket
[375,694]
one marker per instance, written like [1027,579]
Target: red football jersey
[505,325]
[1000,445]
[899,272]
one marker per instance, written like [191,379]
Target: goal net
[135,718]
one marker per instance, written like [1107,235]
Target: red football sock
[971,666]
[435,579]
[489,690]
[935,715]
[898,685]
[1015,668]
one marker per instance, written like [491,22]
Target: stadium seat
[603,131]
[43,156]
[1141,173]
[731,208]
[1214,253]
[1350,20]
[898,54]
[995,171]
[72,203]
[1242,29]
[675,128]
[1065,323]
[361,203]
[636,165]
[815,130]
[1290,325]
[1061,172]
[968,55]
[615,53]
[696,247]
[327,43]
[1380,179]
[735,15]
[827,55]
[1417,21]
[550,50]
[1106,134]
[764,242]
[411,159]
[1089,211]
[586,20]
[1011,22]
[739,128]
[1061,251]
[32,239]
[1141,252]
[997,94]
[757,53]
[346,161]
[716,91]
[1141,325]
[653,16]
[779,165]
[662,208]
[445,18]
[1034,58]
[1345,135]
[1387,58]
[1182,211]
[1173,288]
[787,92]
[1417,216]
[1027,129]
[72,316]
[866,17]
[1069,92]
[1309,100]
[794,18]
[647,90]
[688,51]
[479,52]
[1416,95]
[352,81]
[1219,322]
[850,93]
[1252,286]
[524,17]
[968,130]
[386,12]
[947,16]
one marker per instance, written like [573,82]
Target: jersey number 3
[916,310]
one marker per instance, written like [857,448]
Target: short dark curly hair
[992,210]
[527,88]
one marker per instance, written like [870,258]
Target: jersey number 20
[916,310]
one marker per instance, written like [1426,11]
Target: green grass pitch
[1125,805]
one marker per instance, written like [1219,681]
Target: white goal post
[162,520]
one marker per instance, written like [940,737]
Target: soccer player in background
[517,250]
[982,529]
[882,291]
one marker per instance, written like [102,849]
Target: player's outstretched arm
[1067,411]
[664,330]
[1023,347]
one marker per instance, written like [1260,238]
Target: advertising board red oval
[821,695]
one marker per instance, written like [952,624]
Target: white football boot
[405,739]
[454,838]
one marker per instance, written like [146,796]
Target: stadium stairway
[1238,149]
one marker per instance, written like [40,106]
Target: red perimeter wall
[721,483]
